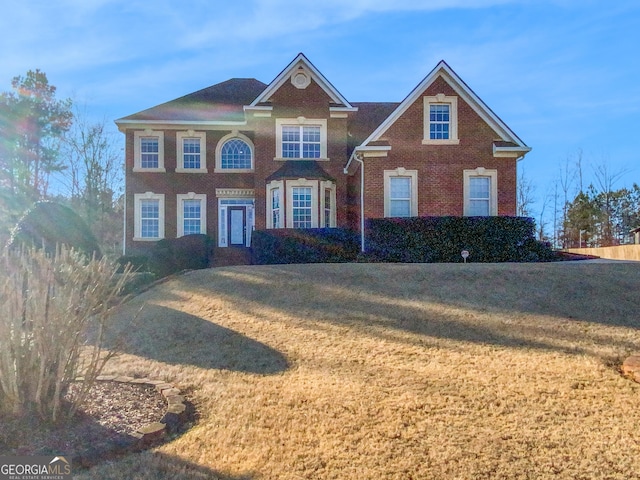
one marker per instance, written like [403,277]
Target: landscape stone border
[174,418]
[631,367]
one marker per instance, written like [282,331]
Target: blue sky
[563,74]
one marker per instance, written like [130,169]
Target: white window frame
[137,227]
[493,189]
[441,99]
[324,186]
[302,182]
[301,121]
[138,135]
[279,186]
[401,172]
[225,139]
[180,137]
[180,198]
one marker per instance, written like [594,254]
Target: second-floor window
[235,154]
[301,141]
[148,151]
[192,156]
[439,121]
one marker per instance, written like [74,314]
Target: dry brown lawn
[391,371]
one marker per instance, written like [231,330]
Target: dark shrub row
[315,245]
[418,239]
[172,255]
[442,239]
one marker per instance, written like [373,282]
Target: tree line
[49,150]
[574,214]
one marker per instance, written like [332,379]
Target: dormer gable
[301,73]
[507,142]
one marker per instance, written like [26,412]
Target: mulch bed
[98,431]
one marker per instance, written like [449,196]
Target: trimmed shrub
[442,239]
[172,255]
[49,224]
[314,245]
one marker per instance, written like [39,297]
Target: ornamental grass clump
[49,307]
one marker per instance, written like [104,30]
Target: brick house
[242,155]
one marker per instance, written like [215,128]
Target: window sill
[280,159]
[450,141]
[233,170]
[149,170]
[191,170]
[146,239]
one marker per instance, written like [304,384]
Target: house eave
[174,124]
[510,152]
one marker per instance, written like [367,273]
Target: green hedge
[315,245]
[172,255]
[442,239]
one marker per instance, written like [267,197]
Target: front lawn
[371,371]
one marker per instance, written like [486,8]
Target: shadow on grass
[178,338]
[473,303]
[155,466]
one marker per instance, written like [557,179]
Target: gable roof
[368,117]
[220,103]
[442,69]
[302,62]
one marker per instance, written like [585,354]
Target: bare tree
[525,195]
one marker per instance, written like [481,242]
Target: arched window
[235,155]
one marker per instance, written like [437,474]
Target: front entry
[237,225]
[235,221]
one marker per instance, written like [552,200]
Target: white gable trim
[285,76]
[463,90]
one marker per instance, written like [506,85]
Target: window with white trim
[234,154]
[441,120]
[480,192]
[275,204]
[328,204]
[192,152]
[192,214]
[275,208]
[301,139]
[148,216]
[148,151]
[301,207]
[400,193]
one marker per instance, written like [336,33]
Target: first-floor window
[480,196]
[400,197]
[302,207]
[149,216]
[327,207]
[480,192]
[275,208]
[400,193]
[191,214]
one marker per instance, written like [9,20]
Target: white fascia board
[343,109]
[173,124]
[463,90]
[320,79]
